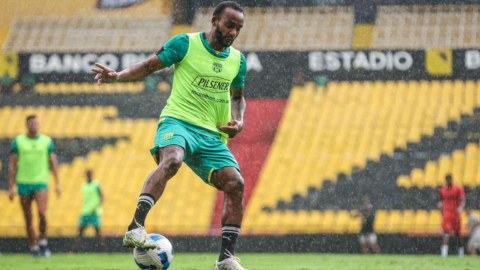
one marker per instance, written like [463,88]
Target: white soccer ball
[158,258]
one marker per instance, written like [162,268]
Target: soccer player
[31,157]
[367,235]
[452,202]
[205,108]
[473,225]
[91,210]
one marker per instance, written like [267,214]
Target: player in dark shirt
[367,235]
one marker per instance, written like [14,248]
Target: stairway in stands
[391,141]
[378,180]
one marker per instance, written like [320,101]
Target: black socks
[145,203]
[229,239]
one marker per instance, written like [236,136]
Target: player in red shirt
[452,202]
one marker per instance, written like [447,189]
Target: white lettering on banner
[361,61]
[55,64]
[378,60]
[472,59]
[37,63]
[373,60]
[111,4]
[405,64]
[74,62]
[331,58]
[253,63]
[78,63]
[88,60]
[347,59]
[315,61]
[389,61]
[108,60]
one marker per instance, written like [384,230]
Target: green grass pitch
[251,261]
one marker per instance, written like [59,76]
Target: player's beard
[221,39]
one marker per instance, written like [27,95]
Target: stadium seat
[74,34]
[88,88]
[352,123]
[270,29]
[121,170]
[462,165]
[420,27]
[381,221]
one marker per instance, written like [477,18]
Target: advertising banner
[272,74]
[115,4]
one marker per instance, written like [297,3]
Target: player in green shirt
[205,108]
[31,157]
[91,210]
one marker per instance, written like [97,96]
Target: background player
[452,202]
[205,108]
[91,210]
[473,225]
[367,235]
[31,156]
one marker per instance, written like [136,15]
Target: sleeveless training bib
[201,87]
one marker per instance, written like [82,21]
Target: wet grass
[251,261]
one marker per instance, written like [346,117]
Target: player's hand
[459,209]
[11,194]
[440,205]
[232,128]
[58,190]
[105,74]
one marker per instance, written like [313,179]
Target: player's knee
[172,165]
[42,216]
[236,186]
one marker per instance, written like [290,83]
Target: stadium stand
[88,88]
[57,26]
[66,121]
[419,27]
[119,168]
[270,29]
[341,221]
[364,137]
[462,165]
[84,34]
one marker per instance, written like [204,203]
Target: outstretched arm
[12,172]
[132,73]
[52,159]
[238,111]
[440,201]
[462,205]
[101,195]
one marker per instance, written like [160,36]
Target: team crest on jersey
[217,67]
[168,136]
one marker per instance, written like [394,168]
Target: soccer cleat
[230,263]
[45,252]
[138,238]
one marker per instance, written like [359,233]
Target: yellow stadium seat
[121,170]
[381,221]
[421,221]
[276,32]
[352,122]
[395,221]
[408,222]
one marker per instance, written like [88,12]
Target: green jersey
[91,198]
[33,165]
[201,85]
